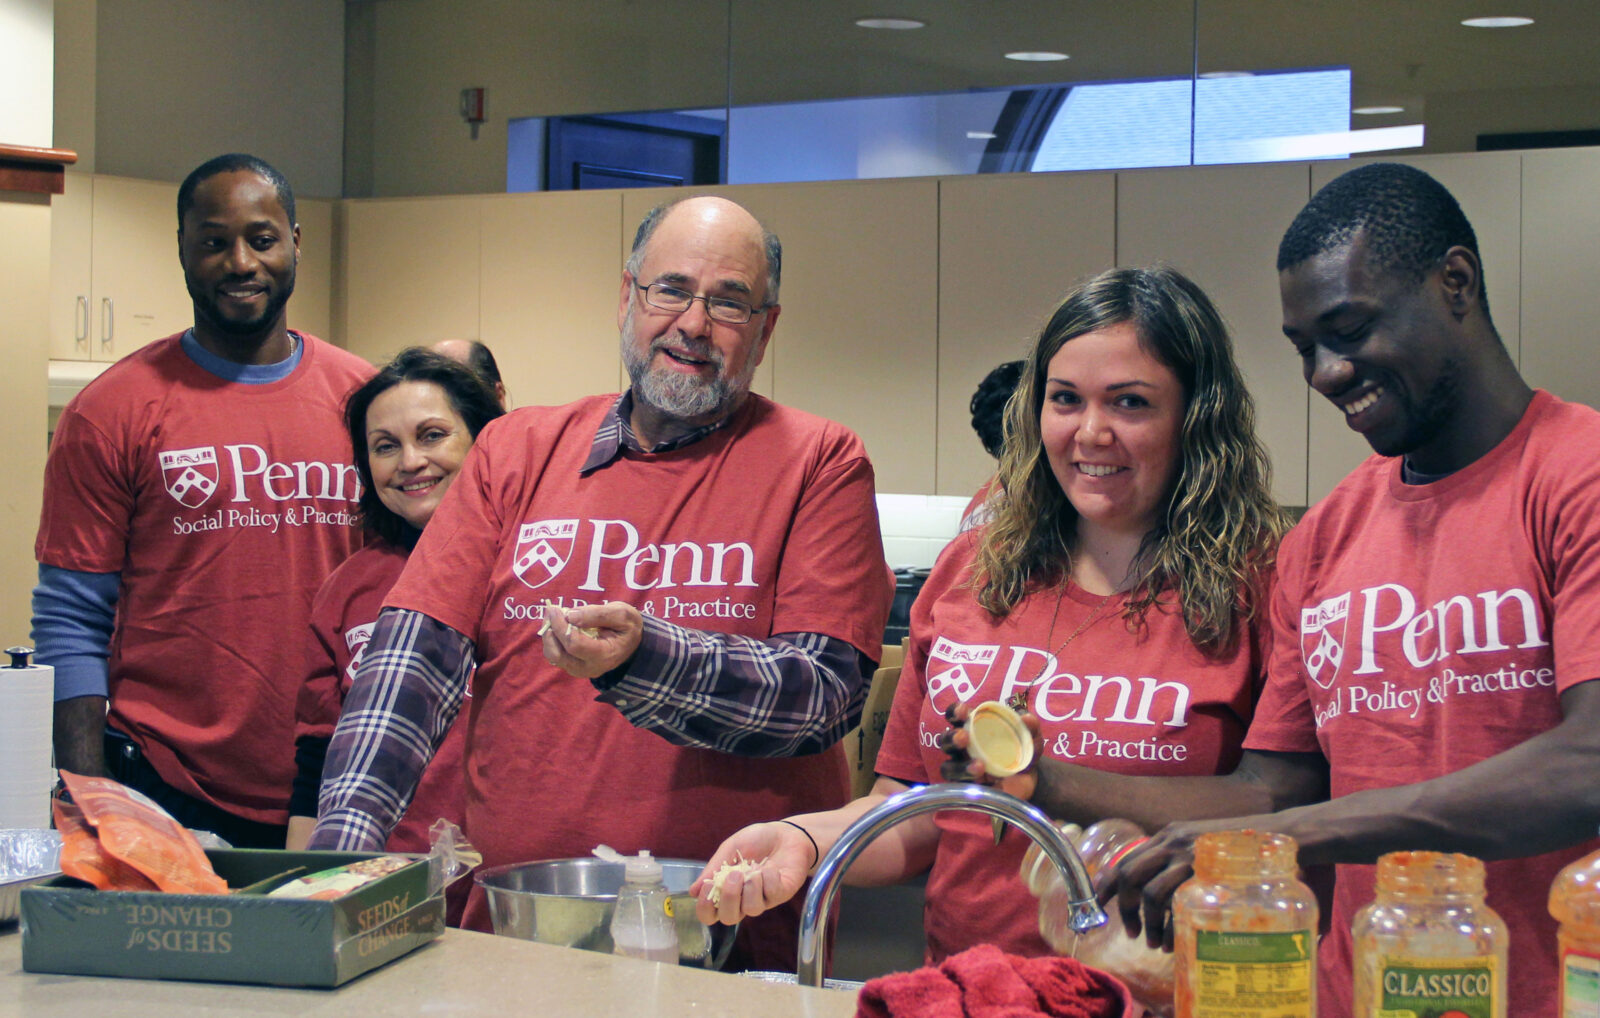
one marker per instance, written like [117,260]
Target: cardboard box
[232,938]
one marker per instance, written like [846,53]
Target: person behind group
[725,551]
[479,358]
[1434,617]
[988,408]
[1117,593]
[410,425]
[196,495]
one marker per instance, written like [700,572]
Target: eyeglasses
[721,309]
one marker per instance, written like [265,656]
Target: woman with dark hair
[411,426]
[1117,593]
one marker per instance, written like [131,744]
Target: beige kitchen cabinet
[410,273]
[1220,226]
[115,282]
[548,293]
[1560,262]
[310,309]
[1010,246]
[1488,186]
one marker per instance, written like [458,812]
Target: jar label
[1252,975]
[1425,987]
[1580,984]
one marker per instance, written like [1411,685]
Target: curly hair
[469,396]
[988,405]
[1217,536]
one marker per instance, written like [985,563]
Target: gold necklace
[1019,699]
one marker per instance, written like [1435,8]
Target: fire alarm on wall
[472,108]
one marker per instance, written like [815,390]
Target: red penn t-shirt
[1141,701]
[342,619]
[224,506]
[767,525]
[1420,629]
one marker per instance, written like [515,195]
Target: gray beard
[675,393]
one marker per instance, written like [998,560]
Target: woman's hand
[617,628]
[961,766]
[783,857]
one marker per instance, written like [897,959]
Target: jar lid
[997,736]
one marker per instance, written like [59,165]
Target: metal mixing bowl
[569,902]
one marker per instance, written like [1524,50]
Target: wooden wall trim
[36,170]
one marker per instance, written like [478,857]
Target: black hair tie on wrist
[816,853]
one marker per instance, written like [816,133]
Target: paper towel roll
[27,700]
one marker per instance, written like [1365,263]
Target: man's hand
[1145,881]
[617,629]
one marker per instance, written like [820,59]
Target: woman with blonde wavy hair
[1117,593]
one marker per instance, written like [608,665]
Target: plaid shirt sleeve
[411,682]
[788,695]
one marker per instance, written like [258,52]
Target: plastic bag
[135,831]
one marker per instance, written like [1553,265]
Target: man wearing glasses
[708,560]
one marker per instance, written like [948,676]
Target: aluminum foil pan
[27,856]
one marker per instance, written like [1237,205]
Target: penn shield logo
[190,475]
[1322,638]
[356,639]
[958,667]
[543,549]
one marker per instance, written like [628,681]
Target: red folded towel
[985,982]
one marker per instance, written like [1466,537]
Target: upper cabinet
[1010,247]
[115,282]
[548,293]
[1220,226]
[410,269]
[1560,261]
[310,307]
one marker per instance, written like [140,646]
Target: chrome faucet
[1086,913]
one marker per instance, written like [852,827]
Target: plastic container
[1428,944]
[642,925]
[1245,930]
[1146,972]
[1575,904]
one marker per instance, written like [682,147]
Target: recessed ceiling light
[1373,111]
[1036,56]
[900,24]
[980,135]
[1213,75]
[1509,22]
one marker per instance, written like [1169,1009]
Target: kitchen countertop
[459,974]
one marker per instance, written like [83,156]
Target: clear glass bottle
[1146,972]
[1575,904]
[1428,944]
[1245,930]
[642,925]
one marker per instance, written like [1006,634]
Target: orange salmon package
[135,831]
[82,856]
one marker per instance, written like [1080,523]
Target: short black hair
[469,396]
[988,405]
[1409,221]
[232,163]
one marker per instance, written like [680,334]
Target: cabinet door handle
[108,322]
[80,321]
